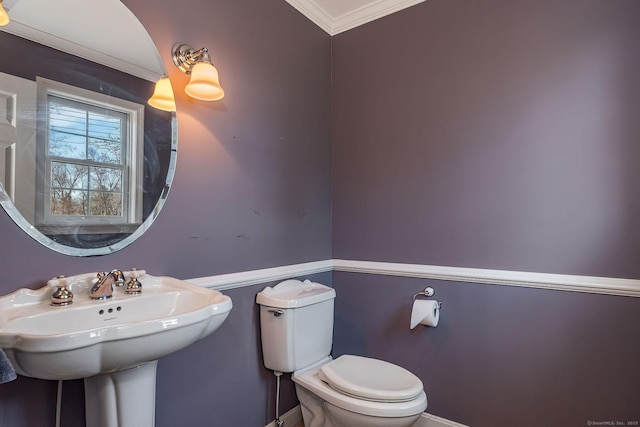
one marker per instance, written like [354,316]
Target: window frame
[132,166]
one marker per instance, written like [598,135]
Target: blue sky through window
[80,133]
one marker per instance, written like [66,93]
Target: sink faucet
[103,288]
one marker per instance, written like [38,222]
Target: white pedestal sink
[113,344]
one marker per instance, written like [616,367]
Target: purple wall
[221,380]
[252,190]
[477,134]
[500,356]
[494,135]
[490,134]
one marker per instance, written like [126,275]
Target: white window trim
[135,156]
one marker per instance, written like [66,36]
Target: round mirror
[85,162]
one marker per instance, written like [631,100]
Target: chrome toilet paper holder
[428,292]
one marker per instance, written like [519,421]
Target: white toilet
[296,320]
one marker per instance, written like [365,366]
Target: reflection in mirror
[85,162]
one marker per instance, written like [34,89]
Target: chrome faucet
[103,288]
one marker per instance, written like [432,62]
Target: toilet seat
[309,379]
[371,379]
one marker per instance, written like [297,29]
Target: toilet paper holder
[428,292]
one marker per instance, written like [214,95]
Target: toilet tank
[296,324]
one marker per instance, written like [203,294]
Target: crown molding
[314,13]
[337,24]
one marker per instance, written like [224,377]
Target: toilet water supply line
[58,403]
[279,422]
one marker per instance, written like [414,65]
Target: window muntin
[89,162]
[86,150]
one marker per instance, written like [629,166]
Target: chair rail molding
[558,282]
[254,277]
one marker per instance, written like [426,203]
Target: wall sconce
[162,97]
[204,83]
[4,16]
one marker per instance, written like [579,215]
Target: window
[88,155]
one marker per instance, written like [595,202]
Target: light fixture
[4,16]
[162,97]
[204,83]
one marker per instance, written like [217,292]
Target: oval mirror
[85,162]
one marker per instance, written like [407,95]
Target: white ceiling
[337,16]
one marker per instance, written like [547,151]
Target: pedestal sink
[114,344]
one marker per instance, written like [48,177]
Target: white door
[18,112]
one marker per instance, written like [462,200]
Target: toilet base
[312,407]
[319,413]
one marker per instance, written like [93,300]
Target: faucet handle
[58,282]
[135,273]
[134,287]
[62,295]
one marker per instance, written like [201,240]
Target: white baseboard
[428,420]
[290,418]
[294,416]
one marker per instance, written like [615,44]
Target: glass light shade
[4,16]
[162,97]
[204,83]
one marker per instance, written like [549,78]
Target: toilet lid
[370,379]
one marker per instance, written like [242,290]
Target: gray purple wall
[251,190]
[490,134]
[501,135]
[475,134]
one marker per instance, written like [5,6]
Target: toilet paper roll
[425,312]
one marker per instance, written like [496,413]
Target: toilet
[296,322]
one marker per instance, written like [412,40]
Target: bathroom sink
[90,337]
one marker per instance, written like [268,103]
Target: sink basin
[91,337]
[107,341]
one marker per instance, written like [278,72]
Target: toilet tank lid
[294,293]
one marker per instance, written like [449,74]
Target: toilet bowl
[361,392]
[296,324]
